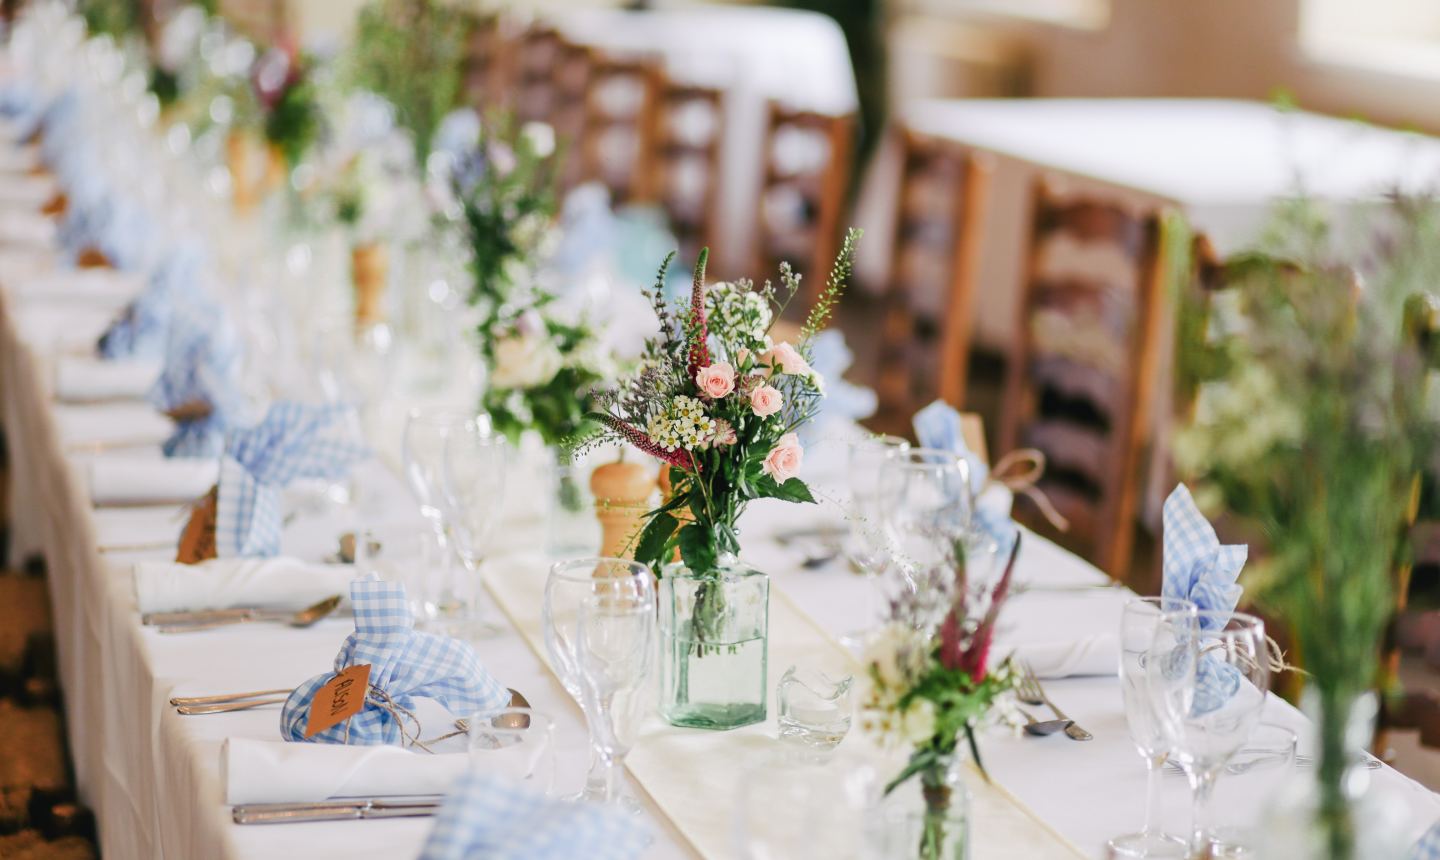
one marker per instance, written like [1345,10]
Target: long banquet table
[154,777]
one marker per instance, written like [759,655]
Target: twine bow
[1020,472]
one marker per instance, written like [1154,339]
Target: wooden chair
[572,79]
[533,87]
[685,167]
[807,162]
[488,54]
[937,234]
[1081,372]
[618,141]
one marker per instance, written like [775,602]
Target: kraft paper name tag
[341,698]
[197,541]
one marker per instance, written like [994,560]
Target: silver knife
[343,810]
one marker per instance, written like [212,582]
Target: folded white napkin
[83,379]
[1098,654]
[54,328]
[222,583]
[117,480]
[256,771]
[26,191]
[153,530]
[27,228]
[105,425]
[19,158]
[89,286]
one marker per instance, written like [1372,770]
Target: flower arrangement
[505,186]
[289,107]
[545,372]
[929,687]
[1311,426]
[719,403]
[411,52]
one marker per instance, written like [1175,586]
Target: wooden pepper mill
[681,514]
[370,270]
[622,496]
[242,173]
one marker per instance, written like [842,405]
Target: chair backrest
[534,86]
[618,140]
[573,65]
[490,53]
[684,172]
[807,162]
[939,217]
[1081,371]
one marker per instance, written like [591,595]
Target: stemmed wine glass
[926,508]
[1138,621]
[615,651]
[1208,672]
[473,489]
[569,585]
[516,744]
[423,458]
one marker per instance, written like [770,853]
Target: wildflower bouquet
[929,687]
[545,371]
[289,106]
[719,402]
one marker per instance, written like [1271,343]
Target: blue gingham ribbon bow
[830,356]
[199,384]
[404,665]
[141,330]
[295,440]
[487,816]
[1199,569]
[938,427]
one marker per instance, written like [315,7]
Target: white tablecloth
[754,54]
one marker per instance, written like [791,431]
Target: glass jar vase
[714,640]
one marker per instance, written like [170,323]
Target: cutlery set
[1031,693]
[210,619]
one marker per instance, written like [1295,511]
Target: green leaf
[793,490]
[919,760]
[697,548]
[654,538]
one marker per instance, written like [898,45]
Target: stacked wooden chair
[1081,376]
[622,96]
[685,165]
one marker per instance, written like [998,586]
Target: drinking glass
[1138,622]
[423,458]
[814,709]
[615,651]
[517,744]
[473,490]
[1208,672]
[865,544]
[568,586]
[926,509]
[1263,767]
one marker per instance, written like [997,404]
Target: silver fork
[1031,693]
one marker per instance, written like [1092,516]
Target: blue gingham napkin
[1428,848]
[294,440]
[486,816]
[938,426]
[404,665]
[142,330]
[1199,569]
[111,223]
[202,365]
[830,356]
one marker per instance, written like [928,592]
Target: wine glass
[516,744]
[473,489]
[423,459]
[926,508]
[568,586]
[1208,673]
[614,651]
[1138,621]
[865,545]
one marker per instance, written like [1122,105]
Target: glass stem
[1153,764]
[1203,786]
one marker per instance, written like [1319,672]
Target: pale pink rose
[787,359]
[717,380]
[741,356]
[783,461]
[766,400]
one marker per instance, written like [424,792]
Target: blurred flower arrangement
[929,687]
[410,52]
[289,106]
[718,402]
[1311,424]
[175,54]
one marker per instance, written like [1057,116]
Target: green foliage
[411,52]
[294,122]
[115,18]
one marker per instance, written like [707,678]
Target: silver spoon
[304,618]
[1041,728]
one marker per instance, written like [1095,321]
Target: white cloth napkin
[149,529]
[85,379]
[222,583]
[28,229]
[150,480]
[256,771]
[19,158]
[26,191]
[89,286]
[111,425]
[1098,654]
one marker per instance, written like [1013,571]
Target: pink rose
[787,359]
[766,401]
[742,355]
[783,461]
[717,380]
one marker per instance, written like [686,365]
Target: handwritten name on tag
[339,699]
[197,541]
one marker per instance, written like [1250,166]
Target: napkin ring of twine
[1019,472]
[1274,657]
[401,714]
